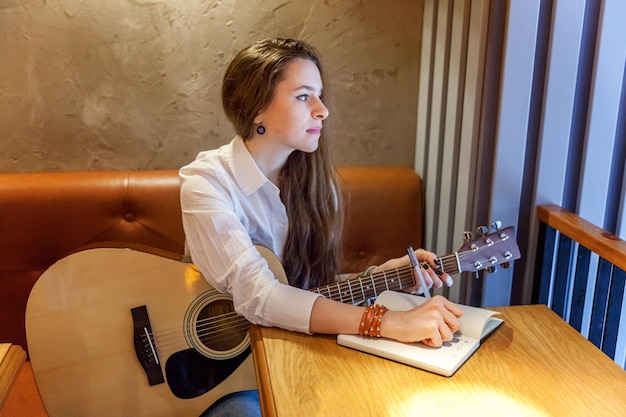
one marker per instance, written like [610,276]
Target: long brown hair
[308,186]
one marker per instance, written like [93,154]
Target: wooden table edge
[264,384]
[11,366]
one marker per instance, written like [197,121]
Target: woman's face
[293,119]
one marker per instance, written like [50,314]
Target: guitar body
[85,346]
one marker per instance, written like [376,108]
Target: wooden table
[535,364]
[12,358]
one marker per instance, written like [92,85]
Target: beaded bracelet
[371,320]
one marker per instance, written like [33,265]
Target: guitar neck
[487,251]
[358,290]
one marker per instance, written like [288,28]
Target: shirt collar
[245,170]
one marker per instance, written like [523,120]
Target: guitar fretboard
[358,290]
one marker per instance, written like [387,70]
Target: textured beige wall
[134,84]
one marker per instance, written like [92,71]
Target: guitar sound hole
[219,327]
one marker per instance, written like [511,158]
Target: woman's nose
[320,111]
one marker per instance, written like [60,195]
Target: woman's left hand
[431,278]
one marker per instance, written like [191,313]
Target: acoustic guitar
[118,332]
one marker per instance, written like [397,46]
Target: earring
[260,129]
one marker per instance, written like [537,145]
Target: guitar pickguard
[191,374]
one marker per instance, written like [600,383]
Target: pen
[416,266]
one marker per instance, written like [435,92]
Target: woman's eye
[303,97]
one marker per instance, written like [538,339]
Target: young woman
[274,185]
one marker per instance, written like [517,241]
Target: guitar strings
[208,330]
[356,289]
[231,325]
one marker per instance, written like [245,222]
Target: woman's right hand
[433,322]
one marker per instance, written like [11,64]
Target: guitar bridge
[145,346]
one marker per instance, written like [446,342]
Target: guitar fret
[374,285]
[362,290]
[350,288]
[450,263]
[339,291]
[441,262]
[385,278]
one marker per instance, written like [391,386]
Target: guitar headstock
[488,250]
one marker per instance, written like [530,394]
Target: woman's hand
[430,276]
[433,322]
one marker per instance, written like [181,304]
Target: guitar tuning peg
[496,225]
[491,269]
[506,265]
[468,236]
[481,230]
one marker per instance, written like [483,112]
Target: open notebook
[476,325]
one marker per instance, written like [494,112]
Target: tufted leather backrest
[47,216]
[384,214]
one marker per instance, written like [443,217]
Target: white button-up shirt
[228,206]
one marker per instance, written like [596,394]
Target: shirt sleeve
[221,248]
